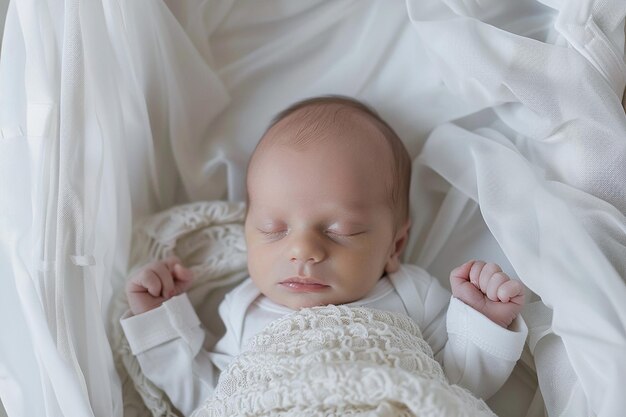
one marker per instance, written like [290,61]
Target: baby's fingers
[486,273]
[165,275]
[511,291]
[494,283]
[460,274]
[145,281]
[474,273]
[182,273]
[184,278]
[171,261]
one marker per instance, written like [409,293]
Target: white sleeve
[475,352]
[172,348]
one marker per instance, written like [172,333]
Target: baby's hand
[156,282]
[488,290]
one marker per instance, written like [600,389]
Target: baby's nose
[306,247]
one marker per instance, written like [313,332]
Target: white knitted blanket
[339,361]
[208,237]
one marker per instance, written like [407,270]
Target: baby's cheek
[257,266]
[366,274]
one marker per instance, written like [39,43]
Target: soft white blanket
[339,360]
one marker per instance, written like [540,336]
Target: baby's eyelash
[344,234]
[272,234]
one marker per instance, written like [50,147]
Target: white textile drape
[78,162]
[550,177]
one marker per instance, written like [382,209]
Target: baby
[327,221]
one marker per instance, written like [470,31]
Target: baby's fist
[485,288]
[157,282]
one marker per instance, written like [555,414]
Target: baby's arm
[166,335]
[473,350]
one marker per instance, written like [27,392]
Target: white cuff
[174,318]
[506,344]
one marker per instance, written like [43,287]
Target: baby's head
[328,197]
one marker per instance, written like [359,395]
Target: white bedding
[114,110]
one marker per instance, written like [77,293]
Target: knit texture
[339,361]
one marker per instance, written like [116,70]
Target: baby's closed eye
[345,230]
[273,230]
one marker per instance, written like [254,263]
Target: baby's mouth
[303,284]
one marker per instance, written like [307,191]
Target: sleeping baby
[327,221]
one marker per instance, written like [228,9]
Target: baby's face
[319,228]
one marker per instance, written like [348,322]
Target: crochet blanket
[208,237]
[339,361]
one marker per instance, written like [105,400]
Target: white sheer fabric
[113,110]
[79,163]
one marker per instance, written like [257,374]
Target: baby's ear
[399,243]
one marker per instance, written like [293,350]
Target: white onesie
[178,355]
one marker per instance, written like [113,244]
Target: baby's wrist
[138,307]
[502,321]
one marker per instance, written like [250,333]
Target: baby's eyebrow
[352,210]
[362,204]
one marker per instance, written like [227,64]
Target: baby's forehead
[337,123]
[331,112]
[323,137]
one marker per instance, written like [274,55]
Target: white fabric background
[113,110]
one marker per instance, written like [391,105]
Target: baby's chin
[300,301]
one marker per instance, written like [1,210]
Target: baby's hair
[318,106]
